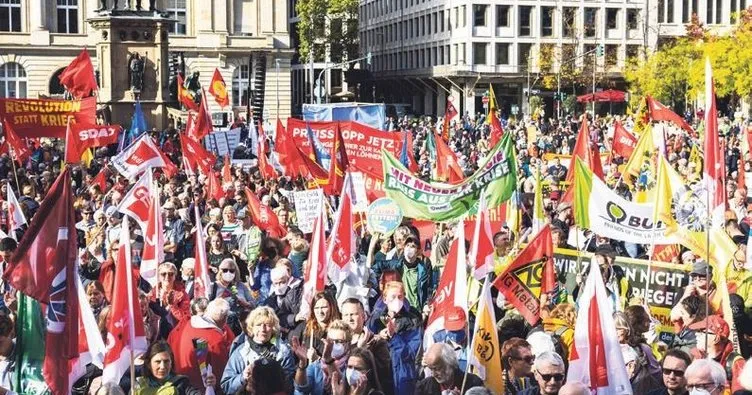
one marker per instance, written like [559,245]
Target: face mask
[352,376]
[280,290]
[410,252]
[699,391]
[338,350]
[228,277]
[395,305]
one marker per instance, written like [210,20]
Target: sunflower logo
[690,208]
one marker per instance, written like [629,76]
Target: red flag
[185,96]
[282,149]
[529,276]
[203,125]
[713,168]
[201,267]
[497,132]
[137,202]
[196,156]
[318,176]
[412,165]
[741,180]
[659,112]
[214,186]
[315,273]
[218,89]
[226,170]
[44,267]
[449,113]
[263,216]
[586,151]
[153,252]
[338,164]
[482,248]
[342,245]
[665,253]
[19,149]
[79,137]
[16,218]
[125,333]
[447,167]
[624,142]
[101,179]
[138,157]
[78,78]
[267,170]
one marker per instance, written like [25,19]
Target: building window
[422,26]
[441,21]
[568,22]
[612,55]
[612,16]
[525,14]
[662,10]
[502,53]
[240,86]
[633,51]
[670,10]
[590,20]
[12,81]
[547,21]
[10,15]
[502,16]
[479,53]
[67,16]
[463,16]
[632,15]
[479,14]
[523,51]
[685,11]
[463,53]
[718,10]
[176,10]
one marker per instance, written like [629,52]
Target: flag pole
[15,172]
[472,340]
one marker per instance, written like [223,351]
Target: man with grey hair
[549,371]
[705,377]
[574,388]
[446,375]
[210,327]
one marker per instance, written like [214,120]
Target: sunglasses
[225,270]
[547,377]
[669,372]
[167,274]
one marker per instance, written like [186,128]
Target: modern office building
[247,40]
[426,50]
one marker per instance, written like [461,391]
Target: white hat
[188,263]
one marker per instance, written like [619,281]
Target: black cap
[740,239]
[605,250]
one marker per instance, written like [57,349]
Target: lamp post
[343,64]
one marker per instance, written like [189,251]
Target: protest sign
[223,142]
[32,118]
[496,176]
[245,164]
[666,281]
[307,206]
[362,143]
[359,186]
[384,216]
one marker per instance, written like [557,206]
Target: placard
[383,216]
[307,206]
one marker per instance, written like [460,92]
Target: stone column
[219,12]
[440,101]
[428,103]
[40,33]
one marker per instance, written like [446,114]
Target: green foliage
[535,103]
[327,23]
[569,104]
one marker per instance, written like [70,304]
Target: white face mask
[338,350]
[699,391]
[228,277]
[395,305]
[280,289]
[410,252]
[352,376]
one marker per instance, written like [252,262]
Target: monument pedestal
[121,35]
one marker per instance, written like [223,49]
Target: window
[685,11]
[502,16]
[525,13]
[632,15]
[10,15]
[590,20]
[547,21]
[441,21]
[12,81]
[662,10]
[479,53]
[568,22]
[463,16]
[718,10]
[55,87]
[240,86]
[670,10]
[422,26]
[67,16]
[502,53]
[523,52]
[177,10]
[633,51]
[612,16]
[463,53]
[479,14]
[612,55]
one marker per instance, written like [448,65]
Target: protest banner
[307,207]
[666,282]
[33,118]
[496,176]
[223,142]
[362,143]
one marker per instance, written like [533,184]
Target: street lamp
[342,64]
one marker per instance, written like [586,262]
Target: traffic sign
[485,100]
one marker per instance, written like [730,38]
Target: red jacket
[181,342]
[180,303]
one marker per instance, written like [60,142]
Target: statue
[103,5]
[193,85]
[153,5]
[136,68]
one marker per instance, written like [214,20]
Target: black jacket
[287,307]
[429,385]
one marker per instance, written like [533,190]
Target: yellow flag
[641,158]
[491,104]
[87,157]
[485,354]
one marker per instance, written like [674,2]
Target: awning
[609,95]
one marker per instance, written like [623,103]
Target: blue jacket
[262,280]
[315,380]
[241,355]
[404,348]
[426,278]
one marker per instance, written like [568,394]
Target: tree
[327,25]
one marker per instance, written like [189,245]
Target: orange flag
[447,167]
[184,96]
[218,89]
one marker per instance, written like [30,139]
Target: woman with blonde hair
[560,325]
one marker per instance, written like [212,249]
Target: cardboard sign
[223,142]
[32,118]
[307,205]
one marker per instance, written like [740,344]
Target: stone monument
[132,59]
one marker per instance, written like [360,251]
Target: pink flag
[201,267]
[125,333]
[315,273]
[16,218]
[596,358]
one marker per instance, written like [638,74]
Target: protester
[713,343]
[674,367]
[518,359]
[310,376]
[227,286]
[354,315]
[314,330]
[169,299]
[706,375]
[549,373]
[446,375]
[285,299]
[159,376]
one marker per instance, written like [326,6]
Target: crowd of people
[369,339]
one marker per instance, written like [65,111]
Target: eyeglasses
[697,276]
[548,377]
[669,372]
[338,341]
[167,274]
[528,360]
[227,270]
[710,387]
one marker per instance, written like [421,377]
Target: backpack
[559,345]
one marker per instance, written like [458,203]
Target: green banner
[30,348]
[419,199]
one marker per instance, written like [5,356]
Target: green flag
[497,175]
[29,348]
